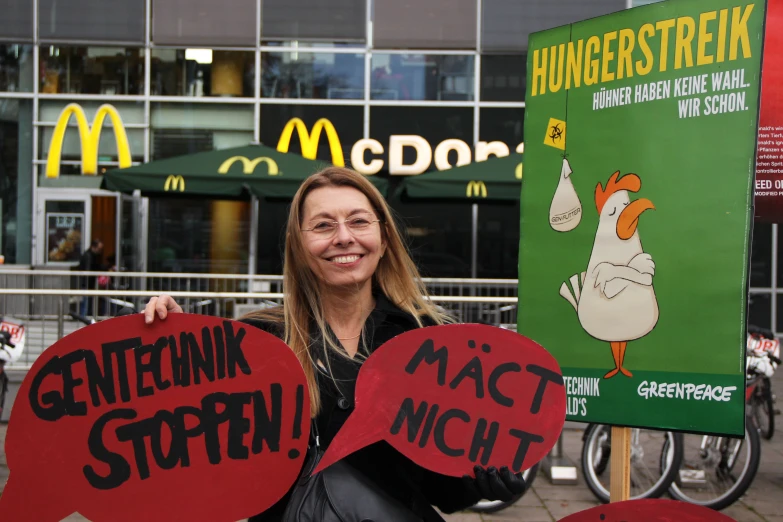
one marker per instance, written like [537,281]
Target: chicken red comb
[629,182]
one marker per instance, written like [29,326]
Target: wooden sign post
[620,471]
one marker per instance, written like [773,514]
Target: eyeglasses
[327,228]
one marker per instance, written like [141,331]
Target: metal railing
[44,299]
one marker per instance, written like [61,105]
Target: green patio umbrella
[228,173]
[496,179]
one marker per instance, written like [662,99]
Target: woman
[350,286]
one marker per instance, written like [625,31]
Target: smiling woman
[350,285]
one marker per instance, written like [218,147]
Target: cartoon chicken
[617,301]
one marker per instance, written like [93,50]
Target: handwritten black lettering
[50,405]
[429,355]
[413,418]
[268,427]
[472,370]
[119,469]
[494,377]
[180,359]
[525,439]
[118,349]
[235,358]
[483,442]
[546,376]
[142,368]
[428,425]
[100,381]
[440,431]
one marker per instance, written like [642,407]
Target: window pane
[503,77]
[202,72]
[347,122]
[761,256]
[498,240]
[434,124]
[16,154]
[50,112]
[16,23]
[204,22]
[16,67]
[506,24]
[425,24]
[198,235]
[71,158]
[504,125]
[780,261]
[324,20]
[130,112]
[760,310]
[104,20]
[271,236]
[422,77]
[779,326]
[438,235]
[91,70]
[185,128]
[312,75]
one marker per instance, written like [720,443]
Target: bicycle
[651,474]
[716,471]
[11,346]
[763,357]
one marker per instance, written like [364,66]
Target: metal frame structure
[256,102]
[367,50]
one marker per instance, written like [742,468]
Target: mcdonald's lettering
[397,143]
[89,137]
[249,166]
[476,189]
[174,183]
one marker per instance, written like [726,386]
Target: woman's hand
[493,484]
[161,305]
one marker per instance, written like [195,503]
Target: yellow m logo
[476,189]
[248,165]
[174,183]
[310,140]
[89,136]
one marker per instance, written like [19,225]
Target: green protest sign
[636,203]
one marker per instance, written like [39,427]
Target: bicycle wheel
[716,471]
[763,408]
[491,506]
[650,475]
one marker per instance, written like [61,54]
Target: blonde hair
[396,276]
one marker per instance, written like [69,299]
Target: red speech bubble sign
[648,510]
[193,418]
[450,397]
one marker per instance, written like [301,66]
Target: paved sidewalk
[547,503]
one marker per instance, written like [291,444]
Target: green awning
[228,173]
[496,179]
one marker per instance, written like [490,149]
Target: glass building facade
[186,76]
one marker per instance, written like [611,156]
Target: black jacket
[409,483]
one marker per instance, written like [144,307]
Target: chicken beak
[629,217]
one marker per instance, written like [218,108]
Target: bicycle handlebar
[5,339]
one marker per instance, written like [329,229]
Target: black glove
[493,484]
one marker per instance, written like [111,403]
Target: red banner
[451,397]
[192,418]
[769,153]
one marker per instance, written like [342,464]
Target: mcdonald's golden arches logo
[174,183]
[309,140]
[248,165]
[89,137]
[476,189]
